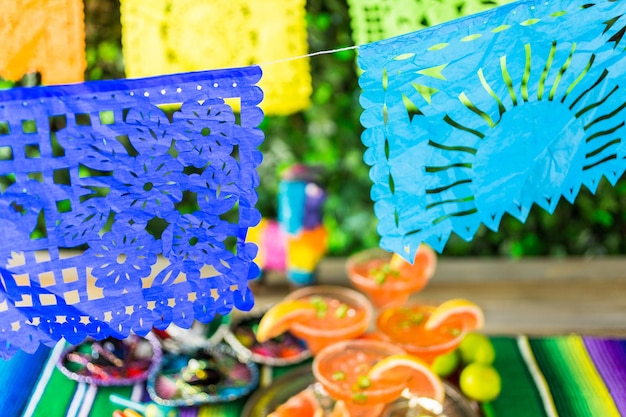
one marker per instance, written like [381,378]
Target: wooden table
[532,296]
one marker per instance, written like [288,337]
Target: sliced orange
[423,265]
[279,318]
[303,404]
[457,310]
[420,379]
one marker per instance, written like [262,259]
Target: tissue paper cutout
[43,36]
[375,20]
[167,36]
[490,114]
[117,211]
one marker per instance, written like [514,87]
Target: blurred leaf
[108,51]
[4,84]
[322,93]
[602,217]
[347,55]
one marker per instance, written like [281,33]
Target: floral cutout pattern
[122,211]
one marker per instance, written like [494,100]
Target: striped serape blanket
[564,376]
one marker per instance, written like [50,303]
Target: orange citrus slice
[457,310]
[303,404]
[423,265]
[279,318]
[422,380]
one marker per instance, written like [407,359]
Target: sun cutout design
[491,114]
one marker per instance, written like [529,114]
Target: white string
[326,52]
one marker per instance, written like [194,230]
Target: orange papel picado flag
[45,37]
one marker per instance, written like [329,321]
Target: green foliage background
[328,134]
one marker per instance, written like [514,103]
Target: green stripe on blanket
[59,393]
[519,397]
[56,397]
[573,380]
[102,406]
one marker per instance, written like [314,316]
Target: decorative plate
[215,374]
[112,361]
[282,350]
[267,399]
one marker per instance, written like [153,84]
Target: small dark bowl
[112,361]
[283,350]
[213,375]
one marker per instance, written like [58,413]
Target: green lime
[446,364]
[485,355]
[476,347]
[480,382]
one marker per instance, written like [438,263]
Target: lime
[485,355]
[476,347]
[480,382]
[446,364]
